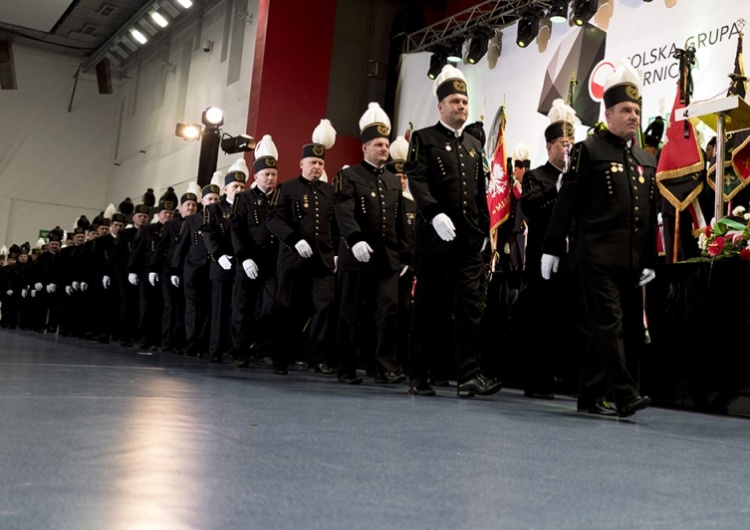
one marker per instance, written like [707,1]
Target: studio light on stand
[213,119]
[188,131]
[237,144]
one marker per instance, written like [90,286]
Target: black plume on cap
[126,207]
[149,199]
[476,129]
[169,195]
[83,222]
[656,129]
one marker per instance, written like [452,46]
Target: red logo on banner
[598,77]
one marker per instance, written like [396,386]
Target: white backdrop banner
[527,80]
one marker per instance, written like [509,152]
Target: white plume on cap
[266,147]
[448,72]
[109,211]
[240,166]
[217,178]
[374,114]
[624,74]
[562,112]
[3,251]
[193,188]
[399,149]
[324,134]
[39,243]
[521,152]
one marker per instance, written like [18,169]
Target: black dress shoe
[126,344]
[420,388]
[538,395]
[241,363]
[630,408]
[479,384]
[350,380]
[323,368]
[280,370]
[264,362]
[216,359]
[600,408]
[389,378]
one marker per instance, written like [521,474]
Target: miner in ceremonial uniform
[448,184]
[190,268]
[108,299]
[50,277]
[372,250]
[256,251]
[548,303]
[140,273]
[119,277]
[609,199]
[302,219]
[218,238]
[173,315]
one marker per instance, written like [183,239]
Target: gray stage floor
[102,437]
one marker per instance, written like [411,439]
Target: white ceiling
[40,15]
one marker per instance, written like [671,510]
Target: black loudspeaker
[7,67]
[103,77]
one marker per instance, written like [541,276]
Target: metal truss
[494,14]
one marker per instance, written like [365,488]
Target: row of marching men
[302,272]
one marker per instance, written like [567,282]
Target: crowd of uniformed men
[376,269]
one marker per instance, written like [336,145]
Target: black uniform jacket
[370,208]
[448,177]
[302,209]
[610,193]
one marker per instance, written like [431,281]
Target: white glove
[444,227]
[153,277]
[75,286]
[33,293]
[225,262]
[485,243]
[403,270]
[304,248]
[106,280]
[84,286]
[38,286]
[646,276]
[251,269]
[175,280]
[51,288]
[24,292]
[335,263]
[69,290]
[133,278]
[550,264]
[362,251]
[9,292]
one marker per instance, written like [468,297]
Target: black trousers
[220,342]
[197,291]
[367,320]
[172,324]
[253,314]
[615,310]
[129,308]
[304,302]
[151,302]
[447,286]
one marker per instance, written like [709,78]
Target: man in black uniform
[256,251]
[301,218]
[117,274]
[218,238]
[371,219]
[101,278]
[548,302]
[610,195]
[190,268]
[172,324]
[448,184]
[140,273]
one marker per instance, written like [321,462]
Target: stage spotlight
[583,10]
[478,45]
[455,51]
[558,11]
[188,131]
[437,61]
[528,27]
[213,117]
[237,144]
